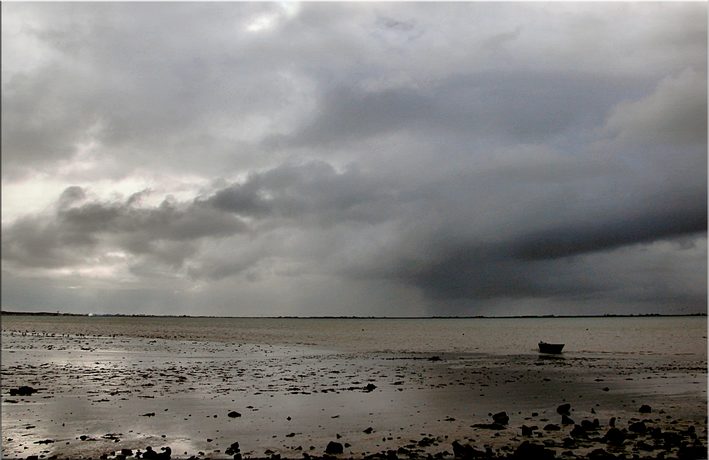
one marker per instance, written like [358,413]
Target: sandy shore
[98,395]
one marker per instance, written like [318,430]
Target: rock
[642,445]
[537,451]
[466,451]
[501,417]
[566,420]
[614,436]
[22,391]
[692,452]
[611,422]
[368,430]
[564,409]
[149,414]
[334,448]
[127,452]
[527,431]
[233,414]
[638,427]
[600,454]
[552,427]
[370,387]
[588,425]
[645,409]
[579,432]
[233,449]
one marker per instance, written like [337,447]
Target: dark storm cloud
[420,157]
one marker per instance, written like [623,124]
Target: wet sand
[97,395]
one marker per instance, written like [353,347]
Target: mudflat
[71,389]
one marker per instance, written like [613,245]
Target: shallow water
[99,376]
[649,335]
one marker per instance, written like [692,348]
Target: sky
[385,159]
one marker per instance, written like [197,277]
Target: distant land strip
[144,315]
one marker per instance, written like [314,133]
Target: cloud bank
[354,159]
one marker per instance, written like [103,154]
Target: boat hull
[552,348]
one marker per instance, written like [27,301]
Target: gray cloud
[422,158]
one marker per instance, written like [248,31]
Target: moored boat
[553,348]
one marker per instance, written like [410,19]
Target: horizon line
[152,315]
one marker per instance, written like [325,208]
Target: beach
[405,388]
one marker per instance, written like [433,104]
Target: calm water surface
[639,335]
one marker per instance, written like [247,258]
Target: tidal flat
[107,387]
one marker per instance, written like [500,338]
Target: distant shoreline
[121,315]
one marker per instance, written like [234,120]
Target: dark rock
[233,449]
[368,430]
[589,425]
[671,439]
[434,358]
[578,432]
[611,422]
[564,409]
[527,431]
[149,414]
[127,452]
[615,436]
[537,451]
[22,391]
[645,409]
[692,452]
[566,420]
[552,427]
[233,414]
[600,454]
[642,445]
[501,417]
[45,441]
[334,448]
[370,387]
[466,451]
[638,427]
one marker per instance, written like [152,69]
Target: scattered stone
[233,449]
[23,391]
[233,414]
[645,409]
[368,430]
[579,432]
[600,454]
[638,427]
[466,451]
[334,448]
[566,420]
[642,445]
[149,414]
[564,409]
[370,387]
[527,431]
[536,451]
[501,417]
[615,436]
[552,427]
[45,441]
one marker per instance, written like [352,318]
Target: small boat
[553,348]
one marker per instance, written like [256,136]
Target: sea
[289,386]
